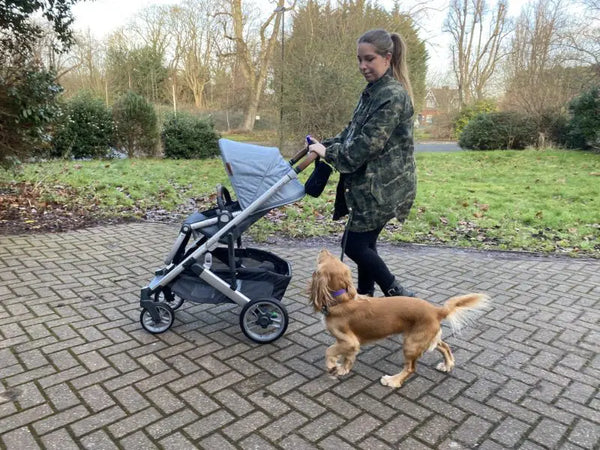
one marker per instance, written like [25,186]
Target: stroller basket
[258,274]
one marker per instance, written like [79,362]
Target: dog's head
[331,277]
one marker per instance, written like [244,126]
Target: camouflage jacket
[374,155]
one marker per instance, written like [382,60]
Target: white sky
[102,17]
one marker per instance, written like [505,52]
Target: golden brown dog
[357,319]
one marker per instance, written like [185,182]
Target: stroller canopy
[253,169]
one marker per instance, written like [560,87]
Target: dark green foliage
[469,112]
[27,107]
[185,136]
[19,32]
[498,130]
[27,91]
[140,70]
[136,125]
[583,129]
[85,129]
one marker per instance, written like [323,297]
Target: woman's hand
[318,148]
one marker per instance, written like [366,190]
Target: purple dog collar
[338,293]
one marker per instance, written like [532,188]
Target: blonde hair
[393,44]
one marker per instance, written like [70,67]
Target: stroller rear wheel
[166,319]
[264,320]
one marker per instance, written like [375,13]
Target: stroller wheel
[166,319]
[166,296]
[264,320]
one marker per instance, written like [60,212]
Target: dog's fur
[357,319]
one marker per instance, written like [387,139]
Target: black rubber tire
[264,320]
[167,317]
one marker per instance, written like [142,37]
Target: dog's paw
[342,371]
[443,368]
[388,380]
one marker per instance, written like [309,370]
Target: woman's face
[371,64]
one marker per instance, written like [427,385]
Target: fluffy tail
[461,311]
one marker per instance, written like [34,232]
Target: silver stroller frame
[262,320]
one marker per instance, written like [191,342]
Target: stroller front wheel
[166,319]
[264,320]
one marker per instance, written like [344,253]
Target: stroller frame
[158,316]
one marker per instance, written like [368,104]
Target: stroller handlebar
[308,159]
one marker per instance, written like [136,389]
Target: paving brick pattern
[78,371]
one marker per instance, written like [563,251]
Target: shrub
[185,136]
[498,130]
[583,129]
[136,125]
[28,106]
[470,112]
[85,129]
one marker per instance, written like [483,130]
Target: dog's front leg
[347,351]
[332,355]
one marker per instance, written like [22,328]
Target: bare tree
[253,56]
[196,39]
[477,34]
[583,38]
[540,79]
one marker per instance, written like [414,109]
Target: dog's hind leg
[448,363]
[412,351]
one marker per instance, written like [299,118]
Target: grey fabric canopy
[253,169]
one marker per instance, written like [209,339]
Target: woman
[374,156]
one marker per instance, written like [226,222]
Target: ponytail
[399,65]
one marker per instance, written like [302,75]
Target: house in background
[438,101]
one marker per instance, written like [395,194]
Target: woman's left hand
[318,148]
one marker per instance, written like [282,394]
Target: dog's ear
[350,289]
[319,295]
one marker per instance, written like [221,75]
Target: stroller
[208,264]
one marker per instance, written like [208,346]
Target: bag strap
[345,235]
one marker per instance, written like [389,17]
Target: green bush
[84,130]
[136,125]
[185,136]
[583,129]
[498,130]
[470,112]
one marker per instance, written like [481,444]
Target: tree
[253,57]
[196,36]
[477,35]
[540,81]
[322,78]
[584,37]
[136,68]
[27,91]
[136,125]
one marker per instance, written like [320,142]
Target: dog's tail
[461,311]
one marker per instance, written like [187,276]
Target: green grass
[543,201]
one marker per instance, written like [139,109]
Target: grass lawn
[543,201]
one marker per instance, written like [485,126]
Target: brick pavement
[77,370]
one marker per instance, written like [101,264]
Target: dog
[354,320]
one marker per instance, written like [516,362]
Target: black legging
[362,249]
